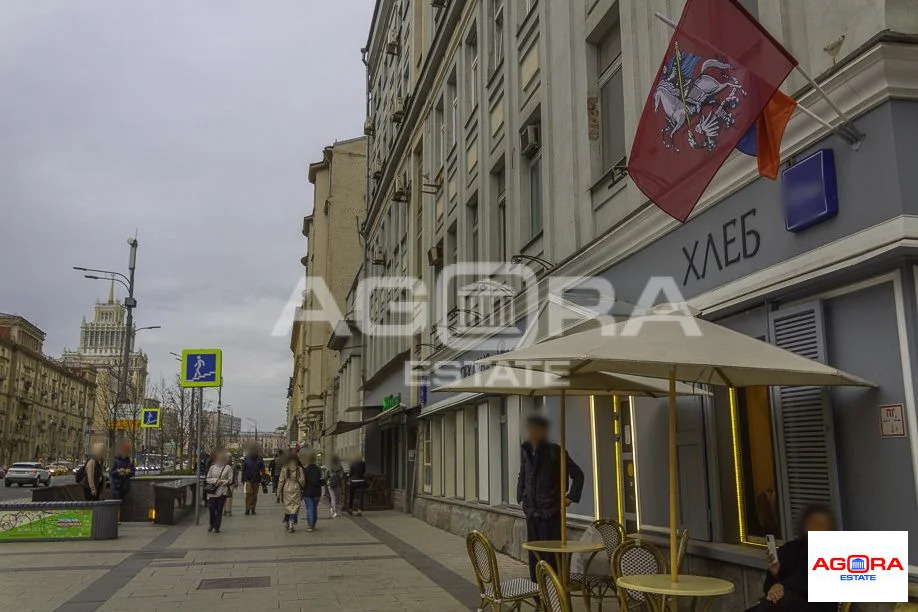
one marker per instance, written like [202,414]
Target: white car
[27,473]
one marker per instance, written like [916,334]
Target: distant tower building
[101,347]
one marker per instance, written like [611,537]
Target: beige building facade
[45,406]
[334,255]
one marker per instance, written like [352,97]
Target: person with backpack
[92,473]
[538,488]
[219,478]
[276,465]
[121,472]
[358,485]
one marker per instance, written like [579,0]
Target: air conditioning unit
[376,170]
[393,46]
[379,257]
[530,140]
[368,128]
[402,189]
[438,3]
[398,113]
[435,255]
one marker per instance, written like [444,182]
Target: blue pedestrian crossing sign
[149,418]
[202,368]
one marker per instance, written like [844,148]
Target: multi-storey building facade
[335,253]
[45,407]
[499,132]
[101,348]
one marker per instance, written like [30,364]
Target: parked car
[27,473]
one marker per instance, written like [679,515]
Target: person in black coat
[538,488]
[785,588]
[312,492]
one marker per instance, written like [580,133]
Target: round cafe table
[562,552]
[694,587]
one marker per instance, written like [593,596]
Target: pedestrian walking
[234,484]
[276,466]
[290,487]
[92,474]
[335,478]
[217,483]
[358,485]
[253,468]
[786,588]
[121,473]
[312,491]
[538,488]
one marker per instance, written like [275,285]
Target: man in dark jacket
[253,468]
[538,488]
[275,472]
[121,472]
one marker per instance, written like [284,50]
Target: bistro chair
[637,557]
[493,592]
[554,598]
[594,585]
[680,554]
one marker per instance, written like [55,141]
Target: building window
[471,58]
[500,184]
[535,197]
[497,33]
[612,97]
[752,6]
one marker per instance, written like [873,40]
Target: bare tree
[177,417]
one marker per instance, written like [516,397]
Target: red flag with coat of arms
[719,72]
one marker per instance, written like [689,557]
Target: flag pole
[845,129]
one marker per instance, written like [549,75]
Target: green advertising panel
[43,524]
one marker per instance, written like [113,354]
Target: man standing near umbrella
[538,488]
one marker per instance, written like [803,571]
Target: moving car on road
[60,468]
[27,473]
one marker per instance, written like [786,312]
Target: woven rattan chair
[493,592]
[595,585]
[554,599]
[635,557]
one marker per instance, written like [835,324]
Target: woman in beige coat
[290,490]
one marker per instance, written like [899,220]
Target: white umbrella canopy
[506,380]
[692,349]
[676,346]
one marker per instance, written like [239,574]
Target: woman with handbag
[218,480]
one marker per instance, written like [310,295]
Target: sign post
[200,368]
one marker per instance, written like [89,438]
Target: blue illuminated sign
[810,191]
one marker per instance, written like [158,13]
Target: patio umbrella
[677,347]
[505,380]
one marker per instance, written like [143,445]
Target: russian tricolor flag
[763,140]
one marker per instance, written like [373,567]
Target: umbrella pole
[563,428]
[673,479]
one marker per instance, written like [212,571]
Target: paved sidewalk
[381,561]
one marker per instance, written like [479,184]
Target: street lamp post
[129,303]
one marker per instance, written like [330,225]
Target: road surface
[18,493]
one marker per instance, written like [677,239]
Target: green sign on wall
[45,524]
[391,401]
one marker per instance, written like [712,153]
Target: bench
[173,500]
[59,520]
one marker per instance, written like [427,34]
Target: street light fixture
[129,303]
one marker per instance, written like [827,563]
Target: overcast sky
[191,122]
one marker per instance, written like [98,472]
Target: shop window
[504,453]
[760,508]
[428,455]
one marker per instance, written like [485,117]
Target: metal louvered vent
[805,421]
